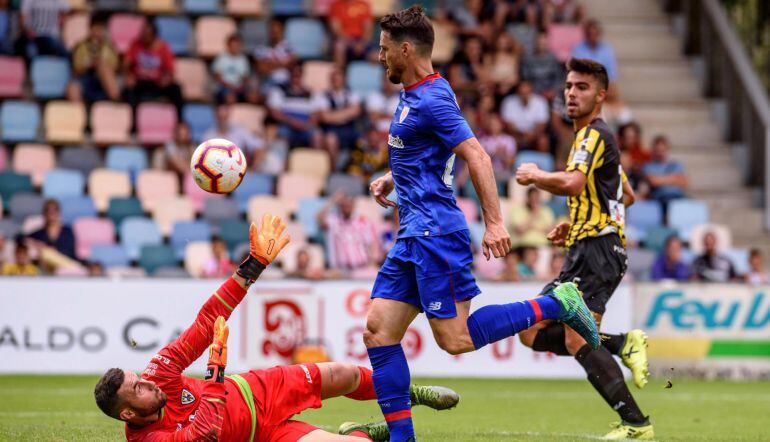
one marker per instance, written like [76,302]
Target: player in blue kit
[429,267]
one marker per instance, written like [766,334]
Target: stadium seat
[77,5]
[655,237]
[200,7]
[155,122]
[249,116]
[195,257]
[155,256]
[364,77]
[122,208]
[287,7]
[261,204]
[75,29]
[90,232]
[487,269]
[366,205]
[3,157]
[723,235]
[114,5]
[309,162]
[543,160]
[193,78]
[129,159]
[176,31]
[291,187]
[234,232]
[561,39]
[23,205]
[306,36]
[288,258]
[470,208]
[20,121]
[307,211]
[316,75]
[243,8]
[381,8]
[65,122]
[558,205]
[445,43]
[645,214]
[104,184]
[124,29]
[297,231]
[640,262]
[137,232]
[74,207]
[156,6]
[50,76]
[12,183]
[169,211]
[197,196]
[83,159]
[184,232]
[171,272]
[155,185]
[200,118]
[211,34]
[740,260]
[34,160]
[321,7]
[12,74]
[684,214]
[254,33]
[62,183]
[352,185]
[9,228]
[252,184]
[109,255]
[218,210]
[111,123]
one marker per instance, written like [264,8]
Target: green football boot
[435,397]
[377,431]
[575,313]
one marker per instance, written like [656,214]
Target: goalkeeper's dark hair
[590,67]
[106,392]
[411,25]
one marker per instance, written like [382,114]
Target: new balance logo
[395,142]
[435,305]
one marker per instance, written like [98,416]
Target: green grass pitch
[61,408]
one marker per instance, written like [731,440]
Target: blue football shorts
[429,272]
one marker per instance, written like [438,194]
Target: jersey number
[448,176]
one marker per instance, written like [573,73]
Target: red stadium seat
[155,122]
[90,232]
[111,123]
[12,74]
[124,29]
[561,39]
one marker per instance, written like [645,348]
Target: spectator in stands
[665,176]
[274,59]
[95,270]
[525,114]
[567,11]
[556,264]
[543,70]
[712,266]
[95,63]
[530,222]
[339,110]
[296,110]
[219,265]
[594,48]
[370,156]
[352,25]
[502,64]
[527,262]
[5,27]
[40,22]
[633,153]
[178,151]
[305,268]
[352,241]
[54,233]
[381,105]
[524,26]
[23,265]
[757,274]
[510,271]
[467,72]
[231,72]
[252,146]
[669,264]
[501,148]
[149,69]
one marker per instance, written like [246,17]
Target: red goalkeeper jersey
[196,409]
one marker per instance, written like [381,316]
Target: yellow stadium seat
[446,42]
[34,160]
[156,6]
[193,78]
[168,211]
[153,186]
[292,187]
[211,34]
[104,184]
[309,162]
[244,7]
[381,8]
[111,123]
[78,5]
[316,75]
[250,116]
[65,122]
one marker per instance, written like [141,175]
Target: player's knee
[453,345]
[527,337]
[573,341]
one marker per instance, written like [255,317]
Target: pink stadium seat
[193,78]
[316,75]
[211,34]
[244,7]
[124,29]
[469,208]
[104,184]
[561,39]
[153,186]
[250,116]
[197,195]
[34,160]
[488,269]
[90,232]
[321,7]
[75,29]
[292,187]
[111,123]
[12,74]
[65,122]
[155,122]
[196,255]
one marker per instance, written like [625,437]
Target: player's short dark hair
[590,67]
[106,392]
[410,24]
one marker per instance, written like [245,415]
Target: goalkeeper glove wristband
[250,269]
[215,372]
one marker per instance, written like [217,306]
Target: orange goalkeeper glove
[215,368]
[264,245]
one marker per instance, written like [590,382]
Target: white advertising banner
[87,326]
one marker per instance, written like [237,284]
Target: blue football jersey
[427,125]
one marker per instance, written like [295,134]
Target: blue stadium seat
[288,7]
[656,236]
[233,232]
[543,160]
[200,118]
[9,228]
[254,34]
[252,184]
[477,230]
[740,260]
[306,214]
[201,6]
[364,77]
[109,255]
[50,76]
[185,232]
[60,183]
[684,214]
[136,232]
[176,31]
[122,208]
[12,183]
[558,205]
[130,159]
[20,120]
[155,256]
[645,214]
[84,159]
[216,210]
[306,36]
[23,205]
[353,185]
[74,207]
[640,262]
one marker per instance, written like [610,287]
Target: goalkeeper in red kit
[161,404]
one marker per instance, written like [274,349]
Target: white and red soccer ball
[218,166]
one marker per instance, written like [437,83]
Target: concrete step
[613,9]
[647,91]
[746,223]
[681,113]
[727,199]
[636,26]
[705,159]
[714,178]
[659,71]
[704,133]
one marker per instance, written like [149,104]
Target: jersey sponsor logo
[307,373]
[395,142]
[163,359]
[580,157]
[187,397]
[435,305]
[404,113]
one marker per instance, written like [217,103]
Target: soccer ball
[218,166]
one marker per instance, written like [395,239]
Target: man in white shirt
[41,22]
[525,114]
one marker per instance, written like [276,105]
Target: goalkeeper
[164,405]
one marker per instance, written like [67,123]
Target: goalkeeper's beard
[162,398]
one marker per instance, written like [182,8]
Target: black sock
[551,339]
[613,343]
[605,375]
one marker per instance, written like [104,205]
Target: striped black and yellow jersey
[600,205]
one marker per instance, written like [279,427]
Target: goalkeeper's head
[125,396]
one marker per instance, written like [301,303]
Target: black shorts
[597,266]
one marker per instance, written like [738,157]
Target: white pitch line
[35,414]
